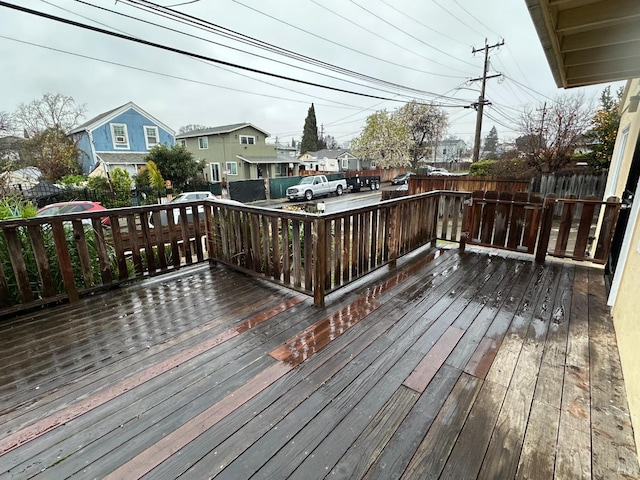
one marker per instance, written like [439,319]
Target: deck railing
[46,260]
[318,254]
[59,258]
[530,225]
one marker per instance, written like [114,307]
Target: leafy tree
[176,163]
[99,183]
[52,111]
[427,125]
[191,128]
[491,144]
[605,123]
[120,182]
[385,138]
[141,179]
[55,154]
[70,181]
[310,132]
[402,138]
[551,133]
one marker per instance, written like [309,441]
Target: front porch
[450,365]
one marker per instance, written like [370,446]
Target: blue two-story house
[121,137]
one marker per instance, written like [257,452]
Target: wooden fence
[420,184]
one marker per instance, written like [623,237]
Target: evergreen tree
[310,133]
[491,144]
[605,123]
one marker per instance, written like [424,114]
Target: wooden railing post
[320,262]
[467,206]
[394,234]
[545,228]
[608,228]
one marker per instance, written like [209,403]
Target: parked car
[181,198]
[63,208]
[439,172]
[402,179]
[192,196]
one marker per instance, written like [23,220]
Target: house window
[182,142]
[119,136]
[373,164]
[247,140]
[232,168]
[203,143]
[151,136]
[345,164]
[278,170]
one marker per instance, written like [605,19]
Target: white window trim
[119,145]
[228,164]
[616,161]
[146,137]
[213,179]
[247,136]
[206,139]
[182,142]
[345,163]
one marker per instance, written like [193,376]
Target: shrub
[481,168]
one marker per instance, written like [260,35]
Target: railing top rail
[582,201]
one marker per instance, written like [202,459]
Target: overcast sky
[405,48]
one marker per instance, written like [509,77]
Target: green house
[237,152]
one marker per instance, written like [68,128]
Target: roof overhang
[267,160]
[589,42]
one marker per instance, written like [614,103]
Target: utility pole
[481,100]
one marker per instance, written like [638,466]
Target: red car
[63,208]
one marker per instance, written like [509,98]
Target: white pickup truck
[316,186]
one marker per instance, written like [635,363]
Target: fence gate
[503,220]
[560,227]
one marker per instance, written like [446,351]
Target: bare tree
[52,111]
[6,124]
[331,142]
[552,132]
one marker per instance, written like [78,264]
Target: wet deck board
[513,369]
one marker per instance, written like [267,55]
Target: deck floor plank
[503,453]
[614,453]
[515,368]
[468,453]
[573,459]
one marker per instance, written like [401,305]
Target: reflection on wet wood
[513,368]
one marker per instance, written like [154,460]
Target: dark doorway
[625,212]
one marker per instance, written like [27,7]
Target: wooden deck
[450,366]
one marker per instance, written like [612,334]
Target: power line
[475,17]
[167,75]
[227,46]
[204,62]
[458,19]
[388,40]
[183,52]
[423,24]
[408,34]
[240,37]
[333,42]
